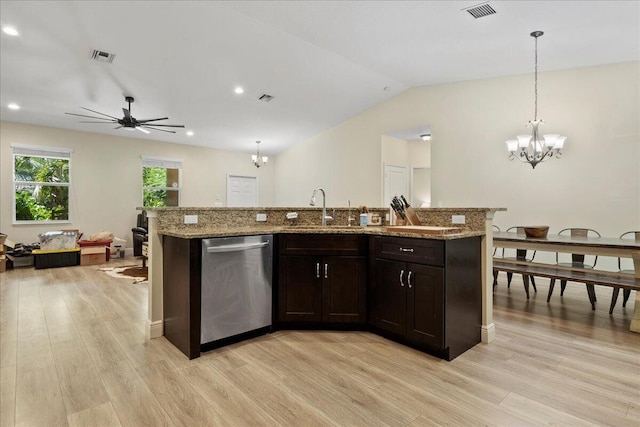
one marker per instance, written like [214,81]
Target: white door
[242,191]
[396,182]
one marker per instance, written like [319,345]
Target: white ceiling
[323,61]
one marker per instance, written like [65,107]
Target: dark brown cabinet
[322,278]
[410,301]
[427,293]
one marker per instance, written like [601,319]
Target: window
[41,183]
[160,182]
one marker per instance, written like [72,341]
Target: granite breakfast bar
[225,222]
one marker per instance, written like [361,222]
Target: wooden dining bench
[591,277]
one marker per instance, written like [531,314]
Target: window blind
[159,162]
[39,151]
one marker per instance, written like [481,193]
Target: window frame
[42,152]
[161,162]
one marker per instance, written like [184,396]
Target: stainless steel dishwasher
[236,287]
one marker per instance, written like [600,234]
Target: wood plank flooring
[73,352]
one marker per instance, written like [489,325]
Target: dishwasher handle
[236,248]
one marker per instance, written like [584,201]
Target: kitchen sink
[322,227]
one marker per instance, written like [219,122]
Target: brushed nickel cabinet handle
[317,270]
[326,271]
[401,274]
[406,249]
[409,279]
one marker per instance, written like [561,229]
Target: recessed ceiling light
[13,106]
[10,30]
[189,133]
[238,90]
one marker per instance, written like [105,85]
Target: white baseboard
[155,329]
[488,333]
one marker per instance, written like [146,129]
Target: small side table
[145,253]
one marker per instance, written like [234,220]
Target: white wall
[107,177]
[596,184]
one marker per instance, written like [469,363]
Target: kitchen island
[451,275]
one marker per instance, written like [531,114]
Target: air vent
[480,10]
[264,97]
[101,56]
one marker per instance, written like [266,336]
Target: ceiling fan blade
[98,112]
[163,130]
[90,117]
[153,120]
[169,126]
[142,130]
[108,121]
[118,127]
[127,114]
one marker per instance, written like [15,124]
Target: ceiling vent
[101,56]
[264,97]
[480,10]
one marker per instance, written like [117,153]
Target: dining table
[600,246]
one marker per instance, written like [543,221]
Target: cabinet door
[300,289]
[343,289]
[425,305]
[390,296]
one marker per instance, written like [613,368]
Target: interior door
[396,182]
[242,191]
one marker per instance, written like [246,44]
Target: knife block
[399,220]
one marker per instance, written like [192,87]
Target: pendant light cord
[535,114]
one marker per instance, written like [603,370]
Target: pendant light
[534,149]
[257,159]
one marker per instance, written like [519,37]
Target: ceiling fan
[128,121]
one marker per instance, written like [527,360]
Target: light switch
[191,219]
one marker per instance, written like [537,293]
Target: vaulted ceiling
[322,61]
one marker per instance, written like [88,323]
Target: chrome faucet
[349,217]
[324,205]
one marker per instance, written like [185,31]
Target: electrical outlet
[457,219]
[191,219]
[262,217]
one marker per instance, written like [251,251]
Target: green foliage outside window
[156,191]
[41,188]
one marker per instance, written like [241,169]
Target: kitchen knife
[399,208]
[412,217]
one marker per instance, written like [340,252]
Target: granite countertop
[369,230]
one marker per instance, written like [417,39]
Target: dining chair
[577,261]
[625,292]
[520,255]
[495,250]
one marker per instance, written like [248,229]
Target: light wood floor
[73,352]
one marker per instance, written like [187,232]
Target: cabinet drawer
[421,251]
[323,244]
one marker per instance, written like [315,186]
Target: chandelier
[257,159]
[534,149]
